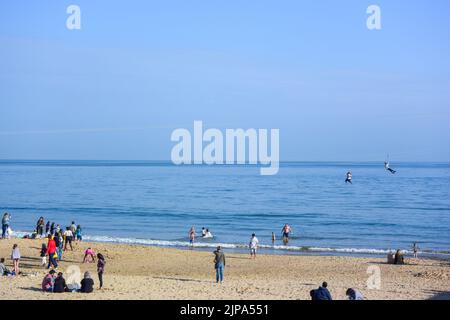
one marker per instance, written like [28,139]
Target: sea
[157,202]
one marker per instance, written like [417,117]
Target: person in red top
[51,251]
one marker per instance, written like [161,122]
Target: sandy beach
[140,272]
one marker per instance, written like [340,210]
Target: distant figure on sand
[253,245]
[399,259]
[15,257]
[68,236]
[78,234]
[386,166]
[415,250]
[5,224]
[43,254]
[321,293]
[191,236]
[349,177]
[100,268]
[219,264]
[354,294]
[285,233]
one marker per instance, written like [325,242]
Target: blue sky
[139,69]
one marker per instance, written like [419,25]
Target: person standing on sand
[415,250]
[15,257]
[51,251]
[349,177]
[68,235]
[5,224]
[191,237]
[253,245]
[219,264]
[47,228]
[100,268]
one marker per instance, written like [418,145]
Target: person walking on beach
[191,237]
[415,250]
[349,177]
[253,245]
[100,268]
[286,230]
[219,264]
[5,224]
[15,257]
[51,251]
[68,236]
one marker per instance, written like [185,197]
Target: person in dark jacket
[399,258]
[321,293]
[219,264]
[60,284]
[87,284]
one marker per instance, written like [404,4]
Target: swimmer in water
[386,166]
[286,231]
[349,177]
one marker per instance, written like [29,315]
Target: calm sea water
[157,202]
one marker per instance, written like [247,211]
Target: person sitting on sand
[59,285]
[354,294]
[87,284]
[399,258]
[219,264]
[253,245]
[4,271]
[89,253]
[321,293]
[49,280]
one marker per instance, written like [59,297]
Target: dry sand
[139,272]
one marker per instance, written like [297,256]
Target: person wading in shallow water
[349,177]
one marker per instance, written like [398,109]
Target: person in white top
[68,237]
[253,245]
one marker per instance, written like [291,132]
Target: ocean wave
[181,244]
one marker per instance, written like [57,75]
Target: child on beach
[100,268]
[43,254]
[15,257]
[78,235]
[253,245]
[89,253]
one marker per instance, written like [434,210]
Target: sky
[137,70]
